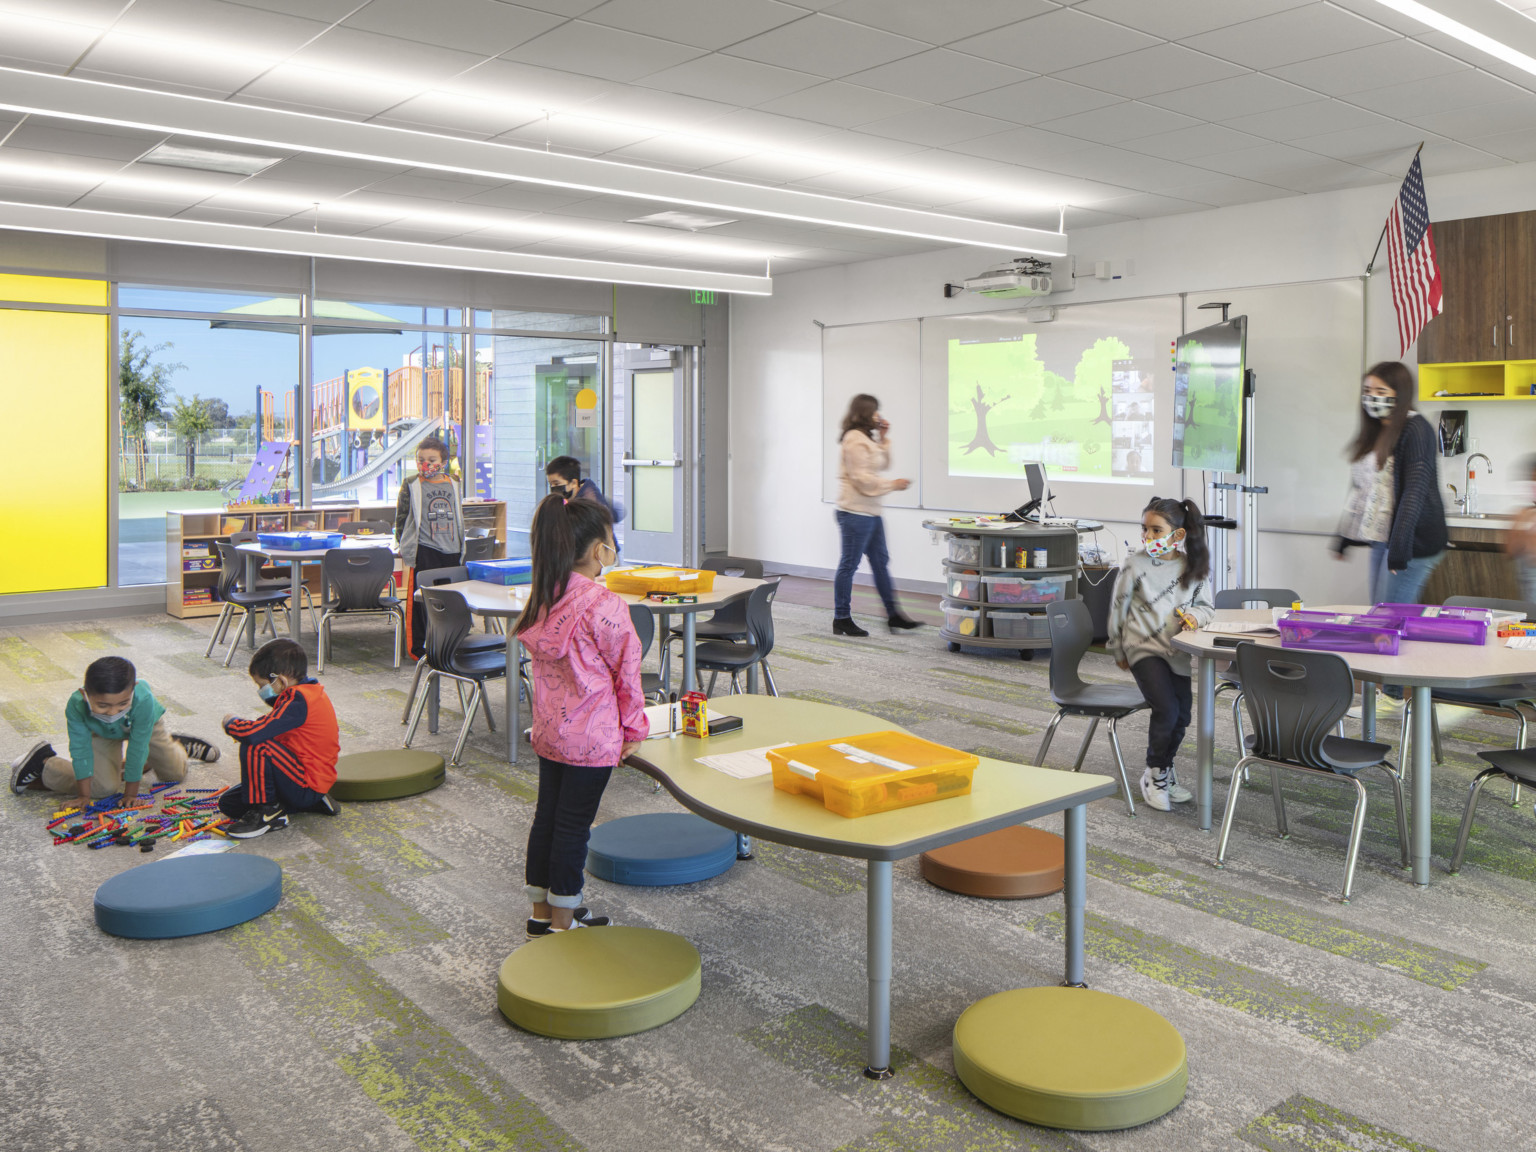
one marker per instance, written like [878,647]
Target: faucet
[1469,501]
[1458,501]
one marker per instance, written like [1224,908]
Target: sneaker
[27,769]
[326,806]
[589,922]
[257,822]
[1176,791]
[538,928]
[1154,789]
[197,748]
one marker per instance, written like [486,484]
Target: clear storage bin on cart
[964,550]
[962,621]
[1021,589]
[1008,625]
[963,586]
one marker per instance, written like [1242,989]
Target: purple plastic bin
[1439,625]
[1340,633]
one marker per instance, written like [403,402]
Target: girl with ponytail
[1162,590]
[588,710]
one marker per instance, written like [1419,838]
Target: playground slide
[404,445]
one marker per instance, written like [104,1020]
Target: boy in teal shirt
[116,730]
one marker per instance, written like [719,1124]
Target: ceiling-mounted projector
[1022,276]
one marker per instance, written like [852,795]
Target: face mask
[110,717]
[607,568]
[267,692]
[1378,406]
[1160,546]
[427,471]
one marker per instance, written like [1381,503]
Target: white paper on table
[742,765]
[1240,627]
[201,848]
[657,715]
[1523,643]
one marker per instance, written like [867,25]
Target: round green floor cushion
[593,983]
[387,775]
[1070,1058]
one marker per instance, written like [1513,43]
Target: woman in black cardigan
[1393,436]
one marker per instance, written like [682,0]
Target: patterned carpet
[361,1013]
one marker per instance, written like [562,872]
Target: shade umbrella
[260,316]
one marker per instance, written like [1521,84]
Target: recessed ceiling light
[208,159]
[683,221]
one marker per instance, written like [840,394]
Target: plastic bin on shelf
[962,621]
[298,541]
[1380,636]
[965,586]
[642,581]
[1008,625]
[1438,623]
[1022,589]
[875,772]
[504,572]
[964,550]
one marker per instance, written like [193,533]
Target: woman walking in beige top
[865,442]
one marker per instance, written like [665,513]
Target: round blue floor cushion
[188,895]
[660,848]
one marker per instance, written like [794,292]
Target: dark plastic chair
[1071,633]
[449,621]
[734,566]
[366,528]
[479,548]
[735,657]
[1241,598]
[729,621]
[1517,765]
[651,684]
[1295,699]
[357,578]
[231,572]
[484,642]
[267,583]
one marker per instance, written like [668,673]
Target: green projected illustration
[1007,407]
[1208,399]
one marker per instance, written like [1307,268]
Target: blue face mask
[267,693]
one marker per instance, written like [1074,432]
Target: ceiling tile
[1192,142]
[1286,37]
[1441,157]
[485,27]
[353,52]
[1438,94]
[100,142]
[218,26]
[1110,165]
[826,46]
[767,130]
[1060,39]
[1370,147]
[327,10]
[523,197]
[1483,120]
[1306,120]
[327,178]
[216,215]
[1517,146]
[1332,176]
[939,76]
[92,13]
[315,90]
[1239,96]
[1147,71]
[1030,102]
[1280,164]
[935,126]
[27,40]
[1123,121]
[648,107]
[1376,11]
[1023,145]
[1466,53]
[682,152]
[701,23]
[434,185]
[1376,66]
[852,182]
[771,168]
[1224,192]
[844,105]
[568,8]
[1176,19]
[573,134]
[727,78]
[460,113]
[140,58]
[131,205]
[859,147]
[1089,218]
[503,79]
[937,23]
[592,49]
[1146,205]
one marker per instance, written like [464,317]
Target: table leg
[1422,760]
[663,630]
[689,675]
[1205,739]
[1368,710]
[434,698]
[512,720]
[751,679]
[1075,890]
[252,574]
[295,582]
[878,927]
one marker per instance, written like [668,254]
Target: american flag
[1416,289]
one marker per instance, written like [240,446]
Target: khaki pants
[167,760]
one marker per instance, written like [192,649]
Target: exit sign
[702,297]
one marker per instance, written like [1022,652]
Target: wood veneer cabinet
[1488,272]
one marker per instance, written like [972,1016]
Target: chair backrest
[479,548]
[366,528]
[448,622]
[1264,597]
[231,568]
[472,533]
[734,566]
[1295,699]
[732,611]
[432,577]
[246,537]
[358,576]
[1071,633]
[1497,605]
[760,617]
[645,626]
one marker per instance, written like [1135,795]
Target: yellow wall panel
[54,290]
[53,439]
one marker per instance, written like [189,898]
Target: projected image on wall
[1084,409]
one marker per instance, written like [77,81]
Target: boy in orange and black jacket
[288,757]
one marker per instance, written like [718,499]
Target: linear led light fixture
[1486,25]
[277,241]
[95,101]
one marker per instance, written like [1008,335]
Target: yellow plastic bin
[642,581]
[875,772]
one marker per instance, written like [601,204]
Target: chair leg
[1237,724]
[218,628]
[1434,731]
[410,697]
[1402,740]
[234,641]
[1082,749]
[419,705]
[1125,780]
[1233,791]
[773,689]
[1514,785]
[1402,816]
[735,685]
[467,714]
[1482,778]
[713,676]
[485,708]
[1045,743]
[1356,831]
[322,641]
[271,624]
[309,603]
[1278,796]
[397,631]
[469,718]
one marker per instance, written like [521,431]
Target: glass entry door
[655,451]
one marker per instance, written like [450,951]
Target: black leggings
[562,821]
[1168,693]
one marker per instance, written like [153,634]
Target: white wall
[777,509]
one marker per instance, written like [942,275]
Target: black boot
[898,622]
[844,626]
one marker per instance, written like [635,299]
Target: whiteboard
[884,360]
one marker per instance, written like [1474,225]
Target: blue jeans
[1388,587]
[862,536]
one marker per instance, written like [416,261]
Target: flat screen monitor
[1208,397]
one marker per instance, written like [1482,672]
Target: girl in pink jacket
[588,710]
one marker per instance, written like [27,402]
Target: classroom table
[1420,666]
[1002,795]
[296,561]
[724,588]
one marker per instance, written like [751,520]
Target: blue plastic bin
[504,572]
[298,541]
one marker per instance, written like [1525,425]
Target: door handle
[1495,335]
[629,463]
